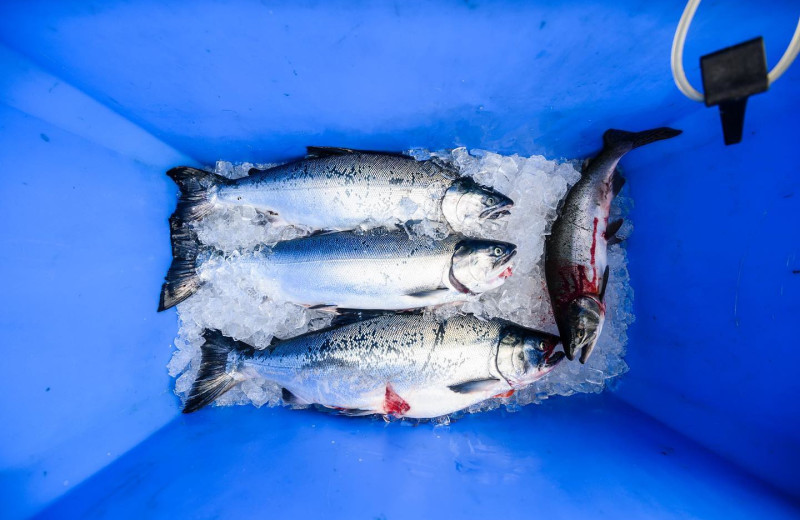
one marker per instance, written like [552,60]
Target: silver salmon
[404,365]
[340,189]
[377,269]
[576,265]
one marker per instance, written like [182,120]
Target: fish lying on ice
[404,365]
[576,266]
[340,189]
[376,269]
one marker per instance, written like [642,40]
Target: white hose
[676,59]
[678,74]
[788,56]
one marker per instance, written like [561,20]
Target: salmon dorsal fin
[316,152]
[447,167]
[349,316]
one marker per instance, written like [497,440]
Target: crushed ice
[233,302]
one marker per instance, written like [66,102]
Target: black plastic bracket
[730,76]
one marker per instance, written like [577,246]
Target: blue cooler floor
[578,458]
[97,101]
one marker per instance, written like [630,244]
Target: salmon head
[466,202]
[580,325]
[481,265]
[525,355]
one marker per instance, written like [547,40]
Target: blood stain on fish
[594,241]
[575,281]
[394,404]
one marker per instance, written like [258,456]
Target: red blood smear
[394,404]
[576,282]
[594,241]
[504,394]
[575,278]
[506,273]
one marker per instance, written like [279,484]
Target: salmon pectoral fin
[617,183]
[394,404]
[323,307]
[429,292]
[611,231]
[477,385]
[605,284]
[291,399]
[504,395]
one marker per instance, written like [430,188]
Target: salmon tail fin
[626,141]
[196,187]
[217,375]
[182,280]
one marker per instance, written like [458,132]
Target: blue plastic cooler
[99,99]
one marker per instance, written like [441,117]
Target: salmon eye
[490,201]
[498,251]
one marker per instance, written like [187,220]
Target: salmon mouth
[504,263]
[497,214]
[506,257]
[551,359]
[501,210]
